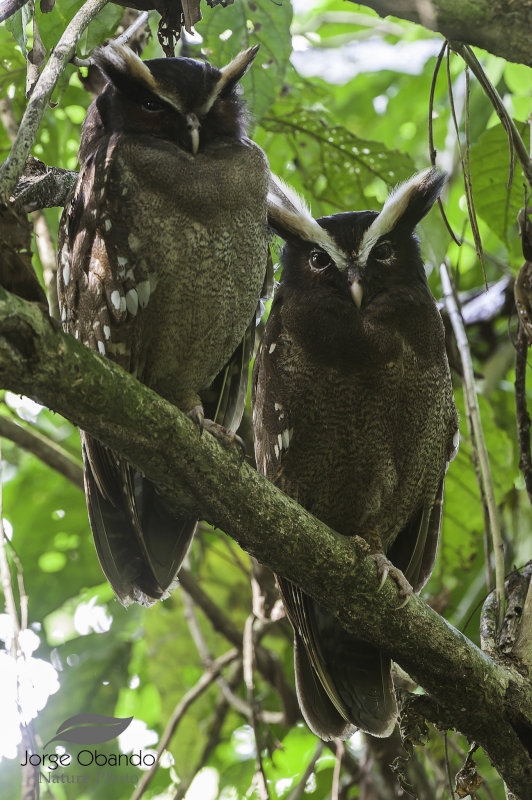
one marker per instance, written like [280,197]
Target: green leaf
[17,25]
[227,31]
[495,203]
[53,24]
[463,519]
[333,164]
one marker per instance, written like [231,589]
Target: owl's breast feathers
[358,419]
[140,222]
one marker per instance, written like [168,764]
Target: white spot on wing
[280,440]
[107,331]
[276,450]
[132,301]
[286,438]
[133,241]
[66,273]
[278,407]
[115,299]
[122,261]
[143,291]
[272,348]
[101,348]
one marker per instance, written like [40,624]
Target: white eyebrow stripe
[293,213]
[238,66]
[125,60]
[392,211]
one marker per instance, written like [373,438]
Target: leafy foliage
[342,145]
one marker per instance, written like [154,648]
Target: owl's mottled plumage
[354,418]
[162,255]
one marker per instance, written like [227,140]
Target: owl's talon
[384,569]
[384,575]
[225,436]
[198,417]
[404,603]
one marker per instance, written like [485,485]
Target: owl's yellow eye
[319,259]
[382,252]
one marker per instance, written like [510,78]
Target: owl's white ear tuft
[406,205]
[289,214]
[231,74]
[116,61]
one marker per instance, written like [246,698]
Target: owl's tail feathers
[342,682]
[320,714]
[140,544]
[359,692]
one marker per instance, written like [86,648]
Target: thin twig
[474,411]
[335,789]
[208,677]
[30,783]
[135,25]
[271,717]
[514,139]
[432,149]
[47,451]
[214,730]
[468,186]
[523,417]
[448,765]
[122,39]
[267,662]
[13,167]
[299,789]
[247,663]
[5,573]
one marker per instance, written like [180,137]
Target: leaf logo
[90,729]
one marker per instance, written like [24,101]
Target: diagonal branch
[13,167]
[494,704]
[502,28]
[47,451]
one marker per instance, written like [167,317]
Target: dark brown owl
[162,254]
[354,418]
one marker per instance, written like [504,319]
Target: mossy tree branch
[501,27]
[489,702]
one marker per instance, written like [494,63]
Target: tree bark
[501,27]
[490,702]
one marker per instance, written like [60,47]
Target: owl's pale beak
[193,127]
[355,286]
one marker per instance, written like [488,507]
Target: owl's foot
[225,436]
[385,568]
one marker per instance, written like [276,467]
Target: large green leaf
[227,31]
[53,24]
[328,161]
[497,204]
[463,519]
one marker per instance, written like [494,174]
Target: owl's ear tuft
[124,69]
[290,217]
[405,207]
[230,75]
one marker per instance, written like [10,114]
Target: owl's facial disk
[358,254]
[181,100]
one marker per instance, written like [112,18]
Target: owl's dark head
[187,102]
[358,254]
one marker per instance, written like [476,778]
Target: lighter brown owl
[162,254]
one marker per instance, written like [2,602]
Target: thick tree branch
[502,28]
[489,702]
